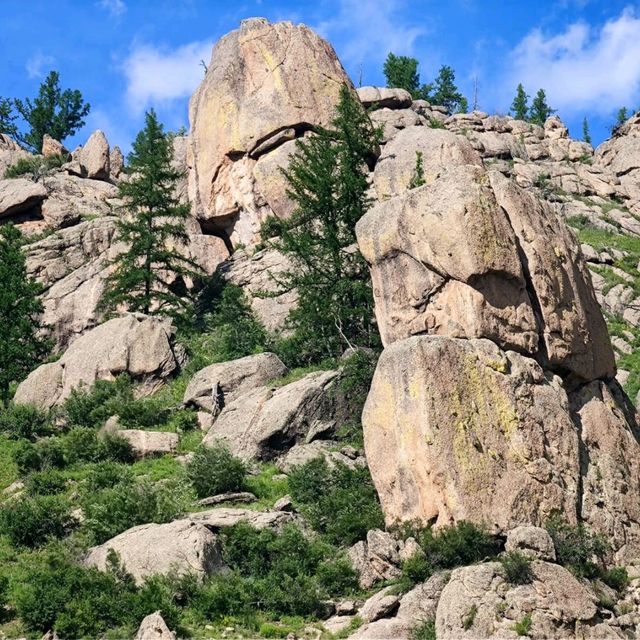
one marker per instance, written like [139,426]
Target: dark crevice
[583,456]
[212,228]
[29,214]
[299,128]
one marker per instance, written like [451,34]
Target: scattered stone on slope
[141,346]
[382,604]
[376,558]
[262,422]
[183,546]
[153,627]
[229,380]
[461,430]
[263,78]
[223,517]
[221,498]
[147,443]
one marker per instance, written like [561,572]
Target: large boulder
[141,346]
[146,443]
[383,97]
[232,379]
[10,153]
[19,196]
[478,603]
[262,422]
[94,156]
[263,79]
[179,547]
[461,430]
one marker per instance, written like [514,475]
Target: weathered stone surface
[442,150]
[421,602]
[150,443]
[220,518]
[256,275]
[392,121]
[153,627]
[239,496]
[233,378]
[262,422]
[19,196]
[71,265]
[556,600]
[135,344]
[381,97]
[444,261]
[10,153]
[533,542]
[116,161]
[51,147]
[270,183]
[385,629]
[380,605]
[376,558]
[573,329]
[458,429]
[94,156]
[263,78]
[610,458]
[183,546]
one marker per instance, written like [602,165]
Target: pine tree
[446,94]
[586,135]
[621,116]
[328,183]
[401,72]
[7,118]
[152,224]
[540,110]
[520,106]
[21,345]
[56,112]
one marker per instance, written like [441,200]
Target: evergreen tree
[401,72]
[328,183]
[56,112]
[446,94]
[7,118]
[540,110]
[586,135]
[520,106]
[153,222]
[621,116]
[21,346]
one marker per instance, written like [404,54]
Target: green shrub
[425,630]
[24,421]
[81,444]
[105,475]
[220,596]
[111,511]
[26,457]
[36,166]
[116,448]
[523,627]
[47,482]
[470,618]
[577,548]
[32,521]
[214,470]
[617,578]
[461,544]
[339,502]
[517,568]
[91,407]
[46,453]
[336,575]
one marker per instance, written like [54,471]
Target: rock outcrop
[141,346]
[153,627]
[266,84]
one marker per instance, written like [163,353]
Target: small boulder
[150,443]
[421,603]
[116,162]
[384,97]
[283,504]
[376,558]
[533,542]
[221,498]
[183,546]
[153,627]
[51,147]
[381,605]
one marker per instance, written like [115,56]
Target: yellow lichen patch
[501,366]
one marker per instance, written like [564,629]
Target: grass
[157,468]
[523,627]
[265,488]
[8,468]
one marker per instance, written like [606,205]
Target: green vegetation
[152,223]
[586,135]
[540,110]
[517,568]
[339,502]
[425,630]
[401,72]
[213,470]
[417,180]
[54,111]
[36,167]
[461,544]
[470,617]
[446,94]
[523,627]
[21,346]
[328,184]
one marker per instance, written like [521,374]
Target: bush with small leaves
[617,578]
[24,421]
[44,483]
[338,501]
[523,627]
[107,474]
[35,167]
[425,630]
[517,568]
[81,444]
[116,448]
[214,470]
[33,521]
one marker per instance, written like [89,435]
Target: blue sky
[128,55]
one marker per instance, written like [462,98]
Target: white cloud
[582,68]
[39,64]
[157,76]
[114,7]
[364,31]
